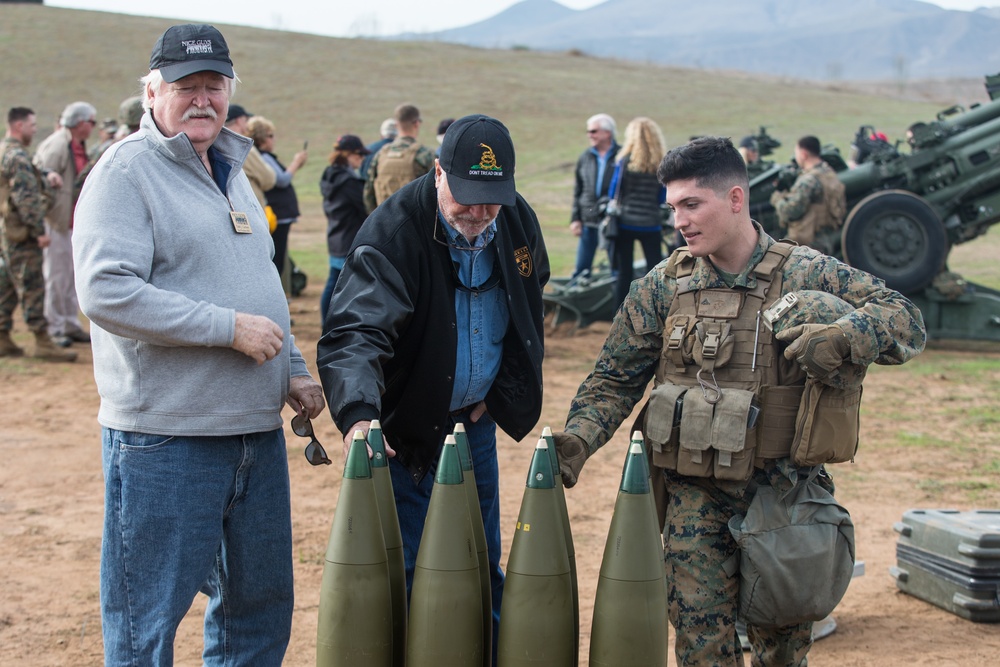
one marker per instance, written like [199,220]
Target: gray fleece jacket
[161,273]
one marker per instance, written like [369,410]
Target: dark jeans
[280,239]
[624,249]
[412,500]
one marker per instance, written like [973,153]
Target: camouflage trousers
[21,273]
[703,598]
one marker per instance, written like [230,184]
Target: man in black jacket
[590,191]
[437,319]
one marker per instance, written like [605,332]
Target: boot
[49,351]
[7,346]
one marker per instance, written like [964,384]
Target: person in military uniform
[693,326]
[815,201]
[24,202]
[400,161]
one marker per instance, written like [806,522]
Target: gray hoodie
[161,273]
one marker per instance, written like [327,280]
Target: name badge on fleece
[240,222]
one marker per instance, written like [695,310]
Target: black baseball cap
[351,144]
[236,111]
[478,156]
[189,48]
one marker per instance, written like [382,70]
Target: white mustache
[207,112]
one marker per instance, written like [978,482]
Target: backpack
[796,553]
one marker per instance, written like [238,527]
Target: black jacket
[586,206]
[282,201]
[344,205]
[389,349]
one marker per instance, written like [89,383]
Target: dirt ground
[51,492]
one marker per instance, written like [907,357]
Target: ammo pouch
[796,554]
[14,230]
[827,425]
[702,439]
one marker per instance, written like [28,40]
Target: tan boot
[49,351]
[7,346]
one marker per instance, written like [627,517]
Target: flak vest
[724,397]
[830,211]
[396,167]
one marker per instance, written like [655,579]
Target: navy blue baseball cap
[478,156]
[190,48]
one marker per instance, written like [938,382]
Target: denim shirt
[602,165]
[481,317]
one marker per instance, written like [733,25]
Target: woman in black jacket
[343,203]
[637,195]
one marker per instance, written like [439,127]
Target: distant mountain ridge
[819,39]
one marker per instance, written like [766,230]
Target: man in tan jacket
[262,177]
[64,152]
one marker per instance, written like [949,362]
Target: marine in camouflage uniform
[815,201]
[885,328]
[403,159]
[23,204]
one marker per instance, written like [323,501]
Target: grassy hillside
[319,87]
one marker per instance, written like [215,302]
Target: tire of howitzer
[897,236]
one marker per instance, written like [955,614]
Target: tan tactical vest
[13,227]
[830,212]
[397,166]
[724,365]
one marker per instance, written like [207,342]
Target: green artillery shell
[561,493]
[393,541]
[479,532]
[630,608]
[354,607]
[537,622]
[446,613]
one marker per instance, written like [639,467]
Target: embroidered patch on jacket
[523,259]
[487,164]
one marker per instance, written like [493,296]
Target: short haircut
[388,128]
[17,114]
[406,114]
[76,113]
[810,144]
[604,122]
[713,162]
[258,129]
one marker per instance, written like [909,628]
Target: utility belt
[724,433]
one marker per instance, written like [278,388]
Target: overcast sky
[345,18]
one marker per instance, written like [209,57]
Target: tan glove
[820,349]
[571,451]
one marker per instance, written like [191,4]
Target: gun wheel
[897,236]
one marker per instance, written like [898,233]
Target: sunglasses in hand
[315,454]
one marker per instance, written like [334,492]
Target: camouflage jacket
[25,198]
[807,195]
[886,328]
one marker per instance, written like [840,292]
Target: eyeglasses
[315,453]
[490,283]
[593,131]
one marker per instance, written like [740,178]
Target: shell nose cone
[635,477]
[540,473]
[449,469]
[357,465]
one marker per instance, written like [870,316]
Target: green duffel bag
[796,553]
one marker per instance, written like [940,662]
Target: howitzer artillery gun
[907,209]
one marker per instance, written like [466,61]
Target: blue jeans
[412,500]
[586,250]
[324,301]
[188,514]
